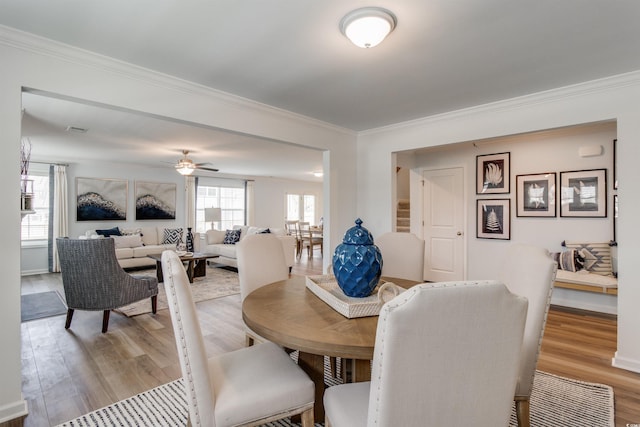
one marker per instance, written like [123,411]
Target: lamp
[185,168]
[368,26]
[212,215]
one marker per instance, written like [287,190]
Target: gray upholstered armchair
[93,279]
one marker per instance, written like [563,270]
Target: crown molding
[575,90]
[38,45]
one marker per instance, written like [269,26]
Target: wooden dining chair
[246,387]
[292,228]
[529,271]
[402,255]
[458,346]
[309,238]
[261,261]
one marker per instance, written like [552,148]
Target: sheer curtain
[190,201]
[249,195]
[59,217]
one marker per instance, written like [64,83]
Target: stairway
[403,216]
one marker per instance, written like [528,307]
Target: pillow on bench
[597,256]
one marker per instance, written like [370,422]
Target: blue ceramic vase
[357,262]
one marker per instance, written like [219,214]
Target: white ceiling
[443,55]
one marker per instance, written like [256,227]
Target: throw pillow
[570,260]
[132,241]
[597,256]
[172,236]
[115,231]
[265,231]
[231,237]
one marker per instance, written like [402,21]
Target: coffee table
[196,264]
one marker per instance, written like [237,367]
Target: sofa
[222,243]
[133,245]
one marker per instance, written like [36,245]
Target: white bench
[587,282]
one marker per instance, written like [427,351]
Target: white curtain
[250,203]
[190,201]
[60,213]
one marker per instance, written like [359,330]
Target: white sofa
[135,244]
[213,242]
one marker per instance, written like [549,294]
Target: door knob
[459,233]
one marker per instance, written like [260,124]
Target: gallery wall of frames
[567,193]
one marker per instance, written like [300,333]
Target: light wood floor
[67,373]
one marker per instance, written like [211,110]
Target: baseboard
[33,272]
[625,363]
[13,412]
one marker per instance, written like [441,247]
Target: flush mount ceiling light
[367,27]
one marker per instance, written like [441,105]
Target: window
[301,207]
[35,226]
[231,201]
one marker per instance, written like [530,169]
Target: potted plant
[26,185]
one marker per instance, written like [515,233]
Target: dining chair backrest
[189,341]
[530,271]
[291,227]
[447,354]
[261,261]
[402,255]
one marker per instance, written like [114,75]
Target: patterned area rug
[555,402]
[218,282]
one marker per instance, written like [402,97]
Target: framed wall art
[494,219]
[492,173]
[155,200]
[583,193]
[101,199]
[536,195]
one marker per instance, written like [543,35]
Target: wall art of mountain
[95,207]
[150,207]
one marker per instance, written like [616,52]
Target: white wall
[616,98]
[270,202]
[550,151]
[48,66]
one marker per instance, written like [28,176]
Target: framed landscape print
[583,193]
[101,199]
[536,195]
[492,173]
[494,219]
[155,200]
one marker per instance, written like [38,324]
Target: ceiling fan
[185,165]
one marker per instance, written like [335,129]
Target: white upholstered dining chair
[402,255]
[529,271]
[458,345]
[246,387]
[261,261]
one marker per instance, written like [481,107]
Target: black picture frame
[615,164]
[493,173]
[536,195]
[493,219]
[583,194]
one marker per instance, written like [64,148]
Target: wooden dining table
[289,314]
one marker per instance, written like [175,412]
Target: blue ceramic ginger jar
[357,262]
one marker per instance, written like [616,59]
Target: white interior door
[444,231]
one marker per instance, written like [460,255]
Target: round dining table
[289,314]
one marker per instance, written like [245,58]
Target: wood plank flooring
[67,373]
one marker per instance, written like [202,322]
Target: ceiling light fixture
[368,26]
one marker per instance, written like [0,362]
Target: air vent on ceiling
[76,129]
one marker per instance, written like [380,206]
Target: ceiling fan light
[185,168]
[368,27]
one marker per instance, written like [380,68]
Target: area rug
[217,283]
[40,305]
[555,402]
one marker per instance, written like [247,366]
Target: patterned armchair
[93,279]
